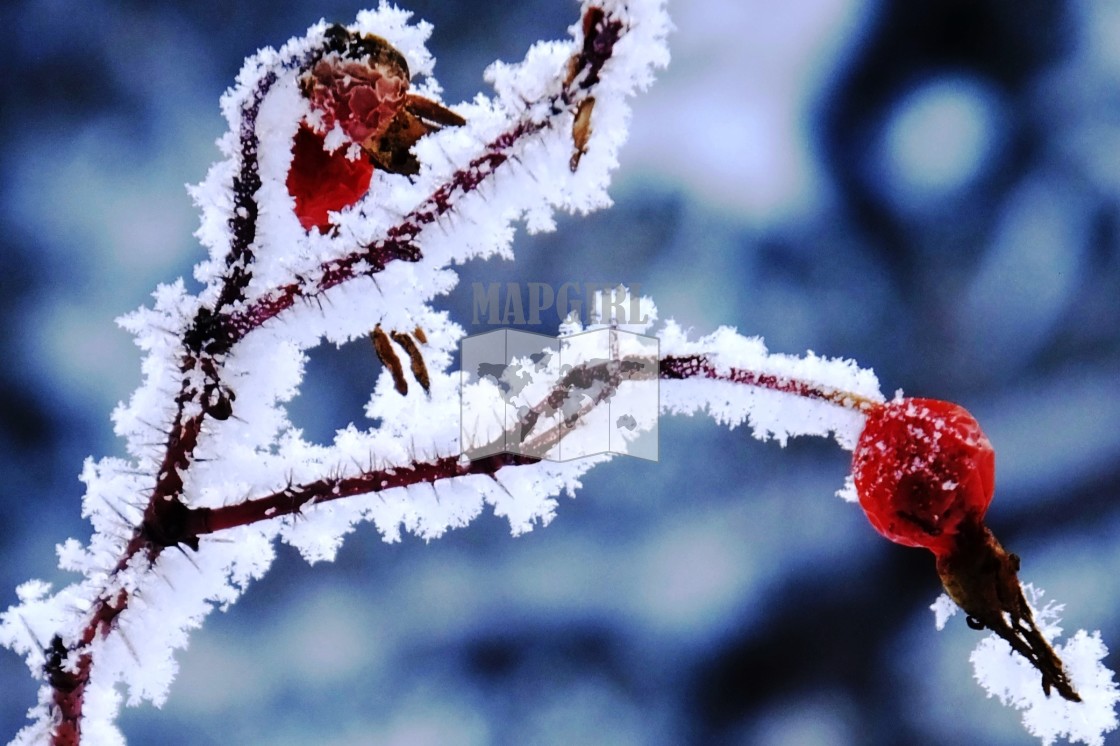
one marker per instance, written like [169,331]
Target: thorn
[118,513]
[31,633]
[494,476]
[128,644]
[163,576]
[189,558]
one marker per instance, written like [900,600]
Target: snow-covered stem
[700,366]
[295,498]
[171,523]
[221,332]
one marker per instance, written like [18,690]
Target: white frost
[942,609]
[1008,676]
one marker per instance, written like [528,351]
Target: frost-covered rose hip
[359,85]
[925,473]
[922,467]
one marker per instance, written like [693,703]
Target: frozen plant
[347,192]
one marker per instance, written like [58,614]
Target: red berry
[922,468]
[322,181]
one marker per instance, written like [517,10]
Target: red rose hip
[925,473]
[922,468]
[322,181]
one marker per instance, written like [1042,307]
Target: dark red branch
[699,366]
[162,521]
[399,243]
[242,222]
[243,217]
[293,499]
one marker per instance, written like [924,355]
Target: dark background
[929,187]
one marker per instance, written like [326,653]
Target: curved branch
[701,366]
[293,499]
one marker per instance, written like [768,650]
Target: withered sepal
[983,579]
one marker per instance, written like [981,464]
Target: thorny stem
[166,519]
[700,366]
[219,332]
[293,499]
[398,244]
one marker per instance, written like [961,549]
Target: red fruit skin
[322,181]
[922,468]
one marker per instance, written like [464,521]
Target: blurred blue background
[927,186]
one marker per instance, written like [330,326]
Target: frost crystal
[942,609]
